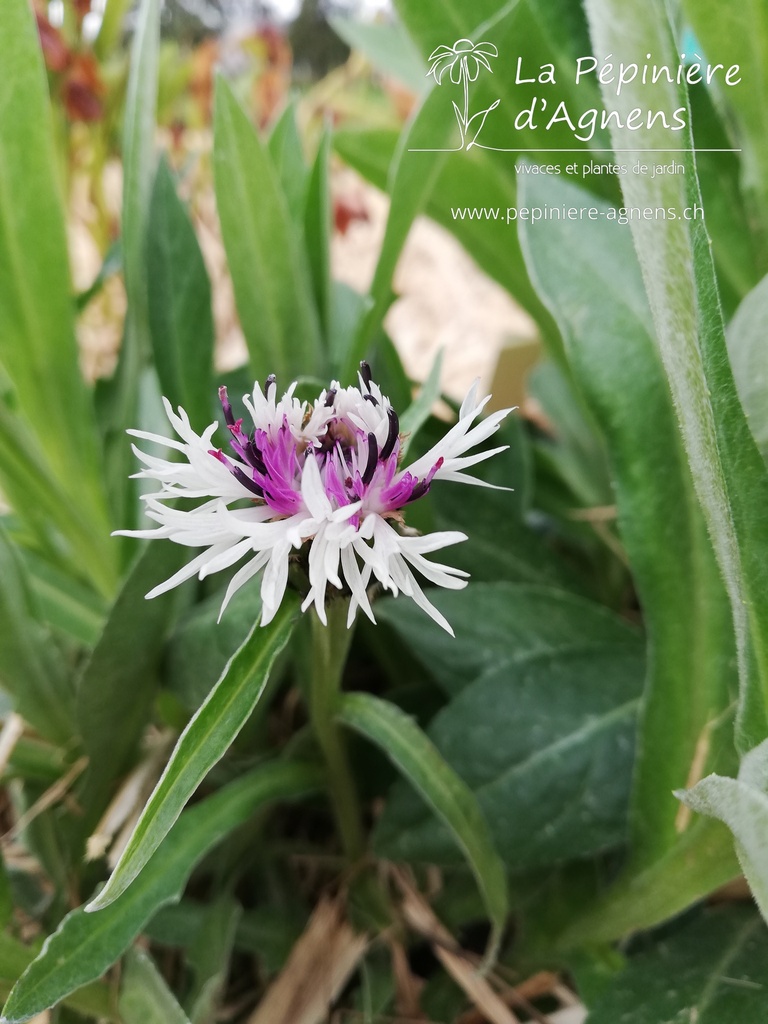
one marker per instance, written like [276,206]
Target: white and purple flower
[319,479]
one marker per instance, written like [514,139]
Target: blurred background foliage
[192,192]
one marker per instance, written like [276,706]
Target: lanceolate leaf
[30,665]
[139,160]
[118,682]
[398,735]
[730,477]
[317,229]
[85,945]
[205,740]
[180,316]
[120,396]
[38,350]
[588,275]
[268,268]
[144,996]
[738,35]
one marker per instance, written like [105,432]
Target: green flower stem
[330,645]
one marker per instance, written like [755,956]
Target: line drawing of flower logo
[463,60]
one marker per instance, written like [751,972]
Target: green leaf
[728,220]
[268,267]
[287,153]
[700,862]
[429,173]
[209,956]
[501,544]
[746,348]
[589,276]
[204,742]
[317,230]
[387,46]
[418,412]
[742,804]
[119,398]
[729,475]
[200,646]
[85,945]
[740,36]
[543,739]
[68,607]
[38,351]
[179,298]
[712,970]
[506,624]
[119,680]
[31,667]
[144,996]
[400,738]
[139,161]
[94,1000]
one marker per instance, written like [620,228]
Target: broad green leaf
[712,970]
[209,956]
[179,302]
[400,738]
[38,351]
[317,231]
[742,804]
[204,742]
[85,945]
[739,36]
[268,266]
[546,745]
[588,275]
[387,46]
[747,350]
[144,996]
[506,624]
[119,680]
[31,669]
[729,475]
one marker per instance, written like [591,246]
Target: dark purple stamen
[365,373]
[373,458]
[330,398]
[394,431]
[419,490]
[246,481]
[271,379]
[371,399]
[224,399]
[236,472]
